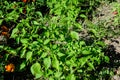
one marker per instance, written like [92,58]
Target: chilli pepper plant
[44,36]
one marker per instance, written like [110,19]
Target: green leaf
[60,54]
[1,46]
[9,18]
[78,25]
[22,65]
[90,65]
[62,37]
[80,70]
[82,43]
[83,60]
[35,35]
[54,46]
[14,33]
[29,55]
[47,62]
[23,31]
[58,74]
[36,23]
[36,70]
[83,16]
[101,43]
[38,12]
[1,20]
[74,35]
[47,34]
[22,53]
[49,72]
[24,41]
[107,59]
[93,31]
[68,62]
[44,55]
[70,77]
[18,40]
[12,51]
[86,52]
[51,78]
[55,62]
[46,41]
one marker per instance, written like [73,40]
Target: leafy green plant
[50,43]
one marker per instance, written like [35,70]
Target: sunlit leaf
[83,16]
[44,55]
[36,23]
[54,46]
[74,35]
[29,55]
[60,54]
[39,13]
[70,77]
[36,70]
[23,31]
[47,62]
[78,25]
[82,43]
[83,60]
[55,62]
[46,41]
[90,65]
[24,41]
[23,51]
[86,52]
[14,31]
[58,74]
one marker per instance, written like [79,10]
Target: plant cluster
[44,36]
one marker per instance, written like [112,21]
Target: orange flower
[24,1]
[10,67]
[115,12]
[5,34]
[28,1]
[4,28]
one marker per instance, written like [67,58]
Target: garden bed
[60,40]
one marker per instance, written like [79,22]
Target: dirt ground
[105,13]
